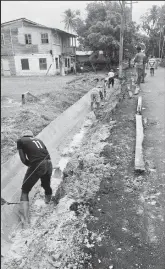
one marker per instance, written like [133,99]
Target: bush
[162,63]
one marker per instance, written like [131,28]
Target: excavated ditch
[58,233]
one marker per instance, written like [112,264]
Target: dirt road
[129,208]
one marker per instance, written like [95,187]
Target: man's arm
[22,155]
[23,158]
[48,156]
[136,57]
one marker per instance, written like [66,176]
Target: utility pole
[131,9]
[122,4]
[121,38]
[160,37]
[131,3]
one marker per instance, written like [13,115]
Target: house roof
[38,25]
[83,53]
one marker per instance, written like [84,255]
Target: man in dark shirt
[144,66]
[139,60]
[34,154]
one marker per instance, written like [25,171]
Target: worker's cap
[138,48]
[27,133]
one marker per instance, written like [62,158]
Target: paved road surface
[130,208]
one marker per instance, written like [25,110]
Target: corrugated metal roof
[83,53]
[36,24]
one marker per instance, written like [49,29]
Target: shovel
[57,172]
[3,201]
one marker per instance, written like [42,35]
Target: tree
[153,23]
[101,29]
[70,18]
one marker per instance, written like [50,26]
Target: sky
[50,13]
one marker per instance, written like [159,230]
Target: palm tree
[69,19]
[154,14]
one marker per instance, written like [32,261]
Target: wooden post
[48,69]
[139,106]
[139,162]
[23,99]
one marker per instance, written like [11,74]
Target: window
[43,64]
[56,59]
[2,39]
[25,64]
[57,39]
[28,39]
[65,62]
[44,39]
[68,63]
[68,42]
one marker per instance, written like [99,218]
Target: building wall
[34,68]
[15,35]
[7,49]
[11,63]
[15,48]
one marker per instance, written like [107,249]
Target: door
[5,67]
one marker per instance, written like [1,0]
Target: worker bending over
[34,154]
[111,76]
[97,94]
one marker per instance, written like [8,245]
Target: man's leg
[143,75]
[29,181]
[109,82]
[138,76]
[153,71]
[45,182]
[112,81]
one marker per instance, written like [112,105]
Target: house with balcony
[29,48]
